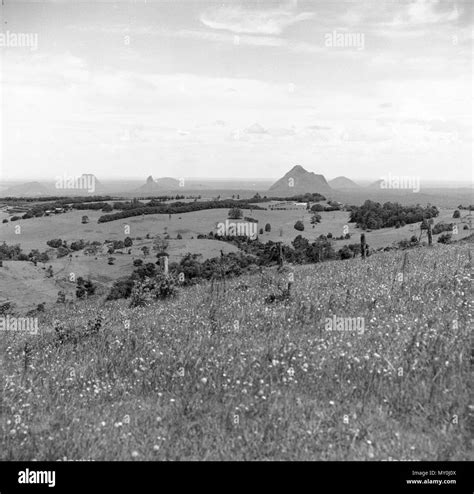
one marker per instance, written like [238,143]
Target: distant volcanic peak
[300,181]
[342,182]
[27,189]
[298,169]
[159,185]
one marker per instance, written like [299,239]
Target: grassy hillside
[221,374]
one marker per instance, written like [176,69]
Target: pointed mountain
[27,190]
[300,181]
[343,183]
[158,186]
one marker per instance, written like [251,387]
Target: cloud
[422,12]
[240,20]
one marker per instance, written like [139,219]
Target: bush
[456,214]
[121,289]
[268,227]
[149,290]
[179,236]
[445,238]
[316,218]
[55,243]
[62,251]
[77,245]
[84,288]
[14,218]
[299,226]
[5,221]
[442,227]
[128,242]
[235,214]
[137,262]
[345,253]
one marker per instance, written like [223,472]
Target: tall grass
[223,374]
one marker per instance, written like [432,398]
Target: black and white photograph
[236,231]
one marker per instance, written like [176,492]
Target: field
[218,373]
[36,232]
[28,286]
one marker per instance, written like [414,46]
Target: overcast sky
[228,89]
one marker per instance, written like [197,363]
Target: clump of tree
[372,215]
[10,252]
[55,243]
[442,227]
[316,218]
[445,238]
[84,288]
[77,245]
[235,214]
[177,207]
[299,225]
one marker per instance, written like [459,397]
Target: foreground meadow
[221,373]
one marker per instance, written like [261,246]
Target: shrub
[149,290]
[442,227]
[84,287]
[316,218]
[456,214]
[299,226]
[128,242]
[235,214]
[179,236]
[62,251]
[268,227]
[77,245]
[345,253]
[55,243]
[445,238]
[137,262]
[121,289]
